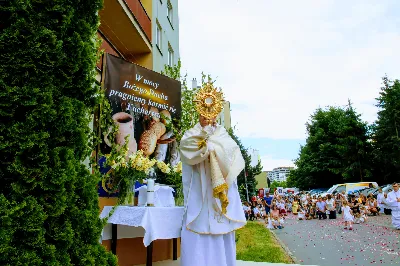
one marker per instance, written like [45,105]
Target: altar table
[151,223]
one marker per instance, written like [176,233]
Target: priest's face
[395,187]
[205,121]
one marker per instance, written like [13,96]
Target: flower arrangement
[125,170]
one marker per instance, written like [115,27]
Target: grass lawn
[256,243]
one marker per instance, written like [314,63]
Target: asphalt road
[326,243]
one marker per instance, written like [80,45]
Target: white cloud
[269,162]
[278,61]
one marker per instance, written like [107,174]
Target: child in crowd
[252,211]
[246,210]
[295,207]
[365,210]
[357,218]
[282,220]
[282,209]
[301,214]
[347,216]
[256,213]
[274,211]
[308,211]
[364,213]
[268,221]
[313,211]
[276,224]
[288,206]
[263,212]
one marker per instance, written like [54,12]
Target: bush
[49,212]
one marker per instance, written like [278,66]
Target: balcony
[127,26]
[136,7]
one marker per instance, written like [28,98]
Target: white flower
[139,162]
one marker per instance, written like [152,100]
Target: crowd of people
[274,208]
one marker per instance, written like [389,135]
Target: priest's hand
[209,129]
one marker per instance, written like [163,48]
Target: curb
[285,248]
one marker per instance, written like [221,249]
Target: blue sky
[277,61]
[278,151]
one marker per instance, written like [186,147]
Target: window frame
[158,36]
[170,13]
[171,56]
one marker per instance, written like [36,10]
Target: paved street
[326,243]
[239,263]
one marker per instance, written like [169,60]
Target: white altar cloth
[151,223]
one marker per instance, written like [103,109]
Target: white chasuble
[208,231]
[392,203]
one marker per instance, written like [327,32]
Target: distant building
[255,156]
[279,174]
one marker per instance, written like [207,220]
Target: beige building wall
[224,118]
[165,33]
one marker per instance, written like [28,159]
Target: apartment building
[145,33]
[142,32]
[165,29]
[279,174]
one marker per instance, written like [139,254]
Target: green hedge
[49,212]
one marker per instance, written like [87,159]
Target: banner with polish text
[143,102]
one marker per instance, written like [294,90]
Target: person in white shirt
[380,198]
[330,207]
[392,201]
[246,210]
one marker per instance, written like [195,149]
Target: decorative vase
[130,198]
[125,128]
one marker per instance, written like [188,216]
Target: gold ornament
[209,101]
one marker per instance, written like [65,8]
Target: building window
[170,14]
[158,36]
[170,56]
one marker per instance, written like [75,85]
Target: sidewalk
[239,263]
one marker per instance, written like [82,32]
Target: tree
[337,150]
[385,133]
[189,116]
[49,213]
[249,170]
[276,184]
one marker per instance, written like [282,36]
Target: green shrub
[49,212]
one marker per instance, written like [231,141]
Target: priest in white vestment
[393,202]
[380,198]
[213,210]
